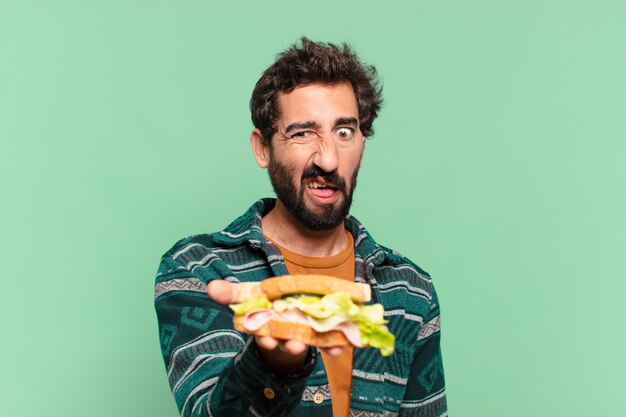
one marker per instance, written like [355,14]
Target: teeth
[315,184]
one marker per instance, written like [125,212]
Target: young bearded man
[312,110]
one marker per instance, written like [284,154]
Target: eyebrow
[347,121]
[342,121]
[301,125]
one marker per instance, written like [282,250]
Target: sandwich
[318,310]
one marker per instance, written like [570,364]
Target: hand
[281,356]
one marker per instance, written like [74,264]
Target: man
[312,111]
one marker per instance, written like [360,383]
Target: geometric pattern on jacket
[214,370]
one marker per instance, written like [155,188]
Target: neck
[282,228]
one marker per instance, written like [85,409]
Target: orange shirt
[338,369]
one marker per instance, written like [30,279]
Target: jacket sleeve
[425,395]
[212,369]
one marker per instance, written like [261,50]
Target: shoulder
[389,265]
[206,257]
[398,271]
[399,281]
[396,259]
[188,260]
[192,249]
[231,247]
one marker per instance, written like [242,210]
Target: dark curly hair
[311,62]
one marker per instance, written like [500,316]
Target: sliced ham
[352,333]
[293,316]
[255,319]
[325,325]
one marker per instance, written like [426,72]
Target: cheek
[293,163]
[350,164]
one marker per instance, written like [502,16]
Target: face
[316,153]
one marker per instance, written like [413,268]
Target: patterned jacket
[215,371]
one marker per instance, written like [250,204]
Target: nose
[326,156]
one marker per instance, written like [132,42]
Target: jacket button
[269,393]
[318,398]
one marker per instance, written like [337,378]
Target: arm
[212,369]
[425,393]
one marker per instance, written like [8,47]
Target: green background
[498,165]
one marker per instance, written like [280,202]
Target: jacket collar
[248,228]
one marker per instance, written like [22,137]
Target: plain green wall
[498,165]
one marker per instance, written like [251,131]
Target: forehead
[317,102]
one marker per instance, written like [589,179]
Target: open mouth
[321,189]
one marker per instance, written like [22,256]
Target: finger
[222,291]
[266,342]
[293,347]
[334,351]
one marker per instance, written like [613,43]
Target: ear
[260,149]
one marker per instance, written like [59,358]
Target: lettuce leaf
[377,336]
[329,305]
[247,306]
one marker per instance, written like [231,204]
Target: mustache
[333,177]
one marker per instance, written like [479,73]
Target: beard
[292,197]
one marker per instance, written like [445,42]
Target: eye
[303,137]
[305,134]
[345,133]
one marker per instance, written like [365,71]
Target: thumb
[222,291]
